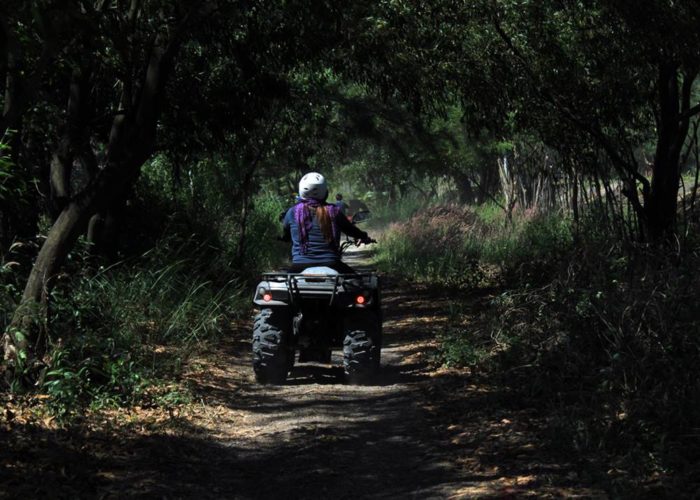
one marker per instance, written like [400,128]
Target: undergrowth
[121,327]
[436,245]
[461,246]
[600,332]
[120,333]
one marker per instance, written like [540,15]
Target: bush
[118,332]
[409,248]
[385,211]
[529,247]
[263,251]
[455,246]
[602,333]
[606,340]
[463,343]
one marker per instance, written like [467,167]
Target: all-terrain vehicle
[312,313]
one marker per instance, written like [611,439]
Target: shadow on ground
[419,432]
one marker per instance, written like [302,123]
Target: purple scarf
[303,216]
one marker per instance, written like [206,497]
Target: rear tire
[273,355]
[361,347]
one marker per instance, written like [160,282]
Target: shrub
[385,211]
[602,333]
[118,332]
[453,245]
[437,245]
[529,245]
[607,340]
[263,250]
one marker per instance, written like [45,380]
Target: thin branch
[625,169]
[689,113]
[484,191]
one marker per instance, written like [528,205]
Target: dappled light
[391,249]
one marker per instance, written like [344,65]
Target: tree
[130,142]
[590,72]
[620,74]
[200,75]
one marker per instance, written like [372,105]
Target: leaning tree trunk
[26,333]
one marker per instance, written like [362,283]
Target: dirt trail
[419,432]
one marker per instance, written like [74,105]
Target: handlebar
[366,241]
[357,242]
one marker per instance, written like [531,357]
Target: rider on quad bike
[314,228]
[320,302]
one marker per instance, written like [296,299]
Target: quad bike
[312,313]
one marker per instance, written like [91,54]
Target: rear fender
[270,294]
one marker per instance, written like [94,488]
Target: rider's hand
[367,240]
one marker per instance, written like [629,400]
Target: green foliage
[529,245]
[13,185]
[212,203]
[409,248]
[614,332]
[490,214]
[262,250]
[386,211]
[461,344]
[523,253]
[9,290]
[117,333]
[602,338]
[470,242]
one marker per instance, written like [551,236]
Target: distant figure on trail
[314,228]
[341,204]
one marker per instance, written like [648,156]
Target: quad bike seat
[320,270]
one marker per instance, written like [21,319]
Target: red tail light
[360,299]
[267,297]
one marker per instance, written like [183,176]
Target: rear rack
[318,285]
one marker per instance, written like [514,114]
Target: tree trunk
[60,174]
[465,189]
[103,229]
[508,187]
[26,332]
[131,142]
[672,130]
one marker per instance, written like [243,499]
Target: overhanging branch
[626,170]
[689,113]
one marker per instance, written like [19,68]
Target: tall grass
[602,334]
[608,342]
[451,244]
[385,211]
[436,245]
[121,331]
[263,251]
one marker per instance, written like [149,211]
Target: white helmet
[313,185]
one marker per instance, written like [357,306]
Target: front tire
[272,350]
[361,347]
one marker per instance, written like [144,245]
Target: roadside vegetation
[593,329]
[123,326]
[538,162]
